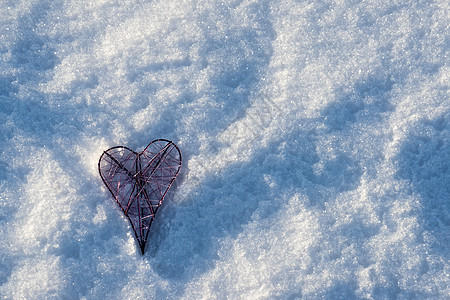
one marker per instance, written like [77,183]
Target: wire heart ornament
[139,182]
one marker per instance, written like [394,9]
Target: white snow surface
[315,141]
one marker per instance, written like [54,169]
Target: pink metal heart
[140,181]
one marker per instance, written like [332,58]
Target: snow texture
[315,141]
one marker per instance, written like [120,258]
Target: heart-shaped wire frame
[139,181]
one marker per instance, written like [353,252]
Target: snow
[315,141]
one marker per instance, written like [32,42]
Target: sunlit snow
[315,141]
